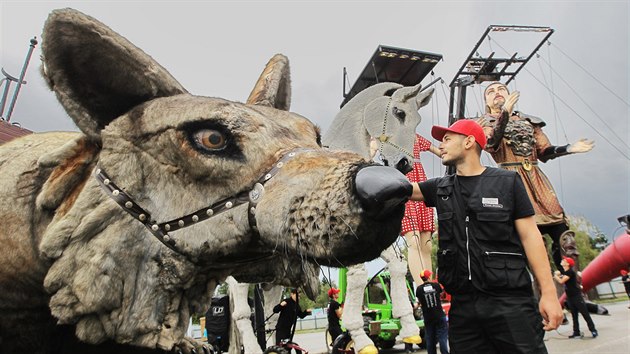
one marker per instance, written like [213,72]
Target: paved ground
[614,336]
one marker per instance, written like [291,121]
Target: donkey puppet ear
[405,93]
[424,97]
[96,73]
[273,88]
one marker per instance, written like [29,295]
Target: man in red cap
[334,314]
[575,301]
[487,239]
[435,326]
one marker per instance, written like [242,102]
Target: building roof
[10,131]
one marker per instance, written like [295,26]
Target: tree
[222,289]
[589,239]
[321,301]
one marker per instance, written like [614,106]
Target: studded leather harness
[161,230]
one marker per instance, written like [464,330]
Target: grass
[619,298]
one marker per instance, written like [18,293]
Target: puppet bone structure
[386,113]
[84,274]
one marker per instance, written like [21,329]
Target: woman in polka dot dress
[418,223]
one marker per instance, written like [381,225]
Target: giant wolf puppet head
[98,255]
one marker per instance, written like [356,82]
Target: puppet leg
[418,253]
[272,295]
[241,317]
[401,306]
[352,318]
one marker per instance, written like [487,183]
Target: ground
[614,336]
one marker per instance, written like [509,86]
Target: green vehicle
[379,324]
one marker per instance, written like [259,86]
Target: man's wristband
[564,149]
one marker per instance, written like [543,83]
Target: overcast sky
[219,48]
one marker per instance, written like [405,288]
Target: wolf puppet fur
[79,274]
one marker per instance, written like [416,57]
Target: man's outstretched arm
[416,195]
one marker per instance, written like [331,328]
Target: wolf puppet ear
[273,88]
[96,73]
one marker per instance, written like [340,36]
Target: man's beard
[499,105]
[452,162]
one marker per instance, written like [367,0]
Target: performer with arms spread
[517,142]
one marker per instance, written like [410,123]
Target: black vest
[479,247]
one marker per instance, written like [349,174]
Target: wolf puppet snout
[382,190]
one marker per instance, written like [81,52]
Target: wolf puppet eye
[210,139]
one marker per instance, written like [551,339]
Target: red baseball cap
[333,291]
[425,274]
[464,127]
[624,272]
[570,261]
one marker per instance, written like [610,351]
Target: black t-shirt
[625,279]
[467,184]
[333,319]
[571,286]
[429,296]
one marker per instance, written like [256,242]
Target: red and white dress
[418,217]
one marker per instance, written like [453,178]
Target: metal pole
[345,75]
[461,103]
[451,105]
[431,84]
[21,79]
[5,92]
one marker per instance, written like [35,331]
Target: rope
[592,76]
[587,105]
[556,118]
[445,96]
[558,123]
[490,43]
[553,101]
[433,115]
